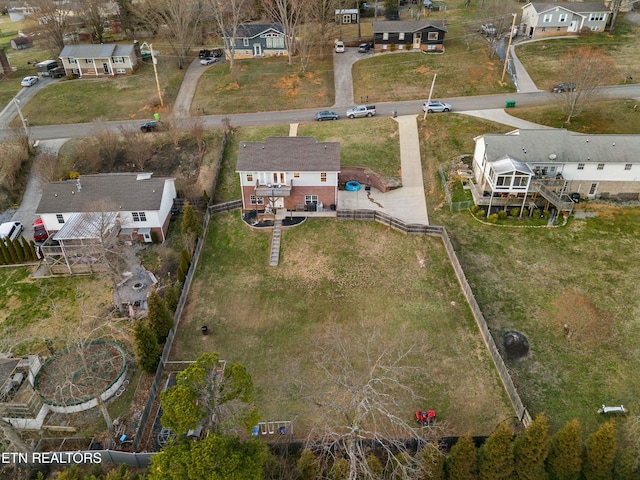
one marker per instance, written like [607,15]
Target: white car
[208,61]
[29,81]
[432,106]
[339,46]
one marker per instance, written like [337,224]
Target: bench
[616,409]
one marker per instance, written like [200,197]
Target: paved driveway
[342,64]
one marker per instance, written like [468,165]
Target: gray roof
[578,7]
[121,192]
[407,25]
[562,146]
[304,154]
[251,30]
[105,50]
[507,164]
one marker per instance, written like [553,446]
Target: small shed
[346,16]
[20,43]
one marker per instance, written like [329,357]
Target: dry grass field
[357,281]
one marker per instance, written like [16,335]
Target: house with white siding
[293,173]
[547,19]
[104,60]
[551,166]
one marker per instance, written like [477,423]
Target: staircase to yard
[275,242]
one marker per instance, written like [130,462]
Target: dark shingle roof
[407,25]
[88,51]
[304,154]
[121,192]
[251,30]
[578,7]
[562,146]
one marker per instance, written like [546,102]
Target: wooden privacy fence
[507,381]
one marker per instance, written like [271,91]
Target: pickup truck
[362,111]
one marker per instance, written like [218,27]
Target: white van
[10,230]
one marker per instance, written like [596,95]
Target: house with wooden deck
[550,167]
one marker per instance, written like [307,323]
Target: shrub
[474,209]
[514,212]
[481,213]
[493,218]
[392,47]
[525,212]
[502,214]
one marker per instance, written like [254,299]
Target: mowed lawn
[350,280]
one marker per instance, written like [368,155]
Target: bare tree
[46,167]
[137,146]
[53,18]
[363,386]
[128,17]
[322,14]
[229,15]
[108,144]
[94,16]
[178,22]
[587,69]
[289,14]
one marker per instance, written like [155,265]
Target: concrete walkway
[498,115]
[525,83]
[407,203]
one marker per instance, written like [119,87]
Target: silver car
[433,106]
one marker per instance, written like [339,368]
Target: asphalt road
[460,104]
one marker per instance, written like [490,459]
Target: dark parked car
[364,47]
[564,87]
[326,115]
[149,126]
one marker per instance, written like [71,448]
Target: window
[520,181]
[432,36]
[72,60]
[543,29]
[558,29]
[431,47]
[547,18]
[563,17]
[595,29]
[311,199]
[245,42]
[597,17]
[385,36]
[256,200]
[88,61]
[323,176]
[120,70]
[401,36]
[60,218]
[592,190]
[139,216]
[601,166]
[296,174]
[249,177]
[118,59]
[346,18]
[581,166]
[275,41]
[627,166]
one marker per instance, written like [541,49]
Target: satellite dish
[553,156]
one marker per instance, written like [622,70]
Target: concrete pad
[498,115]
[293,129]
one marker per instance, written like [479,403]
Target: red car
[40,234]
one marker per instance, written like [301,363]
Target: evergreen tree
[185,263]
[495,457]
[26,248]
[13,256]
[17,246]
[5,258]
[159,317]
[308,467]
[600,453]
[146,347]
[531,450]
[375,467]
[32,246]
[565,455]
[339,470]
[191,226]
[431,462]
[462,462]
[171,297]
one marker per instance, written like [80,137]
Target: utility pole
[25,125]
[358,13]
[433,83]
[155,71]
[506,55]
